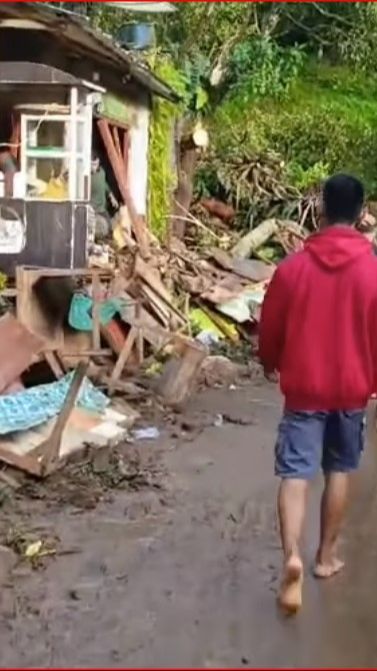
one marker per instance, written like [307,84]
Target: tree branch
[325,12]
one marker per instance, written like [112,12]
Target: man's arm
[273,321]
[373,342]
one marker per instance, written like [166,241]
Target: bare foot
[328,569]
[290,597]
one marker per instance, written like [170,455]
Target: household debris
[137,318]
[148,433]
[147,326]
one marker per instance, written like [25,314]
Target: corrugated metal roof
[81,38]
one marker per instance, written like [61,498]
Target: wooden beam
[120,174]
[117,142]
[96,291]
[52,446]
[54,363]
[126,149]
[122,359]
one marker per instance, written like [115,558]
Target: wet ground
[184,571]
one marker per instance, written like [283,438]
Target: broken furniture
[64,349]
[48,436]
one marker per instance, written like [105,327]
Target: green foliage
[303,179]
[161,175]
[259,67]
[295,80]
[325,122]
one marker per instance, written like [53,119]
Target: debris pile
[79,344]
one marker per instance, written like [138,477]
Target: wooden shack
[80,90]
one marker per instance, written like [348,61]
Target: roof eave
[97,44]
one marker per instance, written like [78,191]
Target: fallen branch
[189,218]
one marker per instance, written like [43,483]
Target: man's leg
[333,507]
[291,509]
[343,446]
[298,456]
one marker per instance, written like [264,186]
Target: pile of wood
[147,324]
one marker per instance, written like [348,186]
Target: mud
[182,570]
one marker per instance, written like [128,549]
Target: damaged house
[69,94]
[74,103]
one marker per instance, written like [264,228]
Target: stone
[219,371]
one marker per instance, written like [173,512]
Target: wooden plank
[114,335]
[144,272]
[24,462]
[158,305]
[8,480]
[116,164]
[65,272]
[117,141]
[153,333]
[126,149]
[54,364]
[122,359]
[15,139]
[8,293]
[96,295]
[52,446]
[18,349]
[86,353]
[139,339]
[120,174]
[30,314]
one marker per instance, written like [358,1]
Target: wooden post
[51,453]
[140,337]
[120,174]
[126,148]
[96,288]
[122,359]
[179,377]
[117,141]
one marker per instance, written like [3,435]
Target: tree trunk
[255,239]
[185,188]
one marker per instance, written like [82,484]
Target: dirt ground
[174,562]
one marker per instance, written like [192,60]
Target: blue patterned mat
[32,407]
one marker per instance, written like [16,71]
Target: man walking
[319,332]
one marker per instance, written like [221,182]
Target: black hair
[343,199]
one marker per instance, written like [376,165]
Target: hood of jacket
[337,246]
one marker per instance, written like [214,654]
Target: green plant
[304,179]
[161,174]
[259,67]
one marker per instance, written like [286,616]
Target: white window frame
[72,119]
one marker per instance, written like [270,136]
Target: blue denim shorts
[308,440]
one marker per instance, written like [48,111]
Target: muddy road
[186,575]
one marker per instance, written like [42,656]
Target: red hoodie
[319,323]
